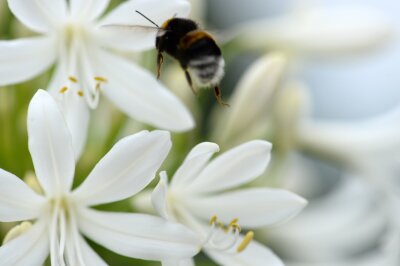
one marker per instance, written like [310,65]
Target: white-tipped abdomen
[207,71]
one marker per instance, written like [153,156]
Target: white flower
[370,147]
[201,190]
[61,213]
[347,226]
[252,102]
[318,31]
[73,39]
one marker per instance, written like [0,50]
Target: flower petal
[50,144]
[320,31]
[139,235]
[30,248]
[73,106]
[89,256]
[193,164]
[255,254]
[126,169]
[23,59]
[254,207]
[159,196]
[140,95]
[234,167]
[40,16]
[137,40]
[17,202]
[251,101]
[87,10]
[77,114]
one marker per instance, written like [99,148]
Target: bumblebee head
[172,30]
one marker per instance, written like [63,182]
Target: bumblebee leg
[189,80]
[217,93]
[160,60]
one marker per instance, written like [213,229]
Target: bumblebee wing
[136,28]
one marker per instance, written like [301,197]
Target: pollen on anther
[73,79]
[80,93]
[100,79]
[63,89]
[213,219]
[245,242]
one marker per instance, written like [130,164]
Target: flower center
[73,85]
[64,235]
[224,237]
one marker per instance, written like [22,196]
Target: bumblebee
[195,50]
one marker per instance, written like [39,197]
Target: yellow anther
[234,221]
[245,242]
[213,219]
[63,89]
[100,79]
[73,79]
[17,231]
[80,93]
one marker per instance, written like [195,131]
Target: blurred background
[329,101]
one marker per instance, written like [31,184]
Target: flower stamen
[223,238]
[63,89]
[100,79]
[245,242]
[73,79]
[80,93]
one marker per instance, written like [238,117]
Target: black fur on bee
[195,50]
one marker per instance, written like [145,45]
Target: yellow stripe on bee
[165,24]
[193,37]
[246,241]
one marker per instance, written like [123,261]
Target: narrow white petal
[254,207]
[50,144]
[194,163]
[39,15]
[138,94]
[139,235]
[186,262]
[90,257]
[252,100]
[234,167]
[254,255]
[77,114]
[73,106]
[159,196]
[87,10]
[17,202]
[126,169]
[30,248]
[136,40]
[23,59]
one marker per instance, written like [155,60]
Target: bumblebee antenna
[152,22]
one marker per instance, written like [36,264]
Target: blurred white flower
[355,220]
[251,103]
[61,213]
[369,147]
[318,31]
[73,39]
[201,190]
